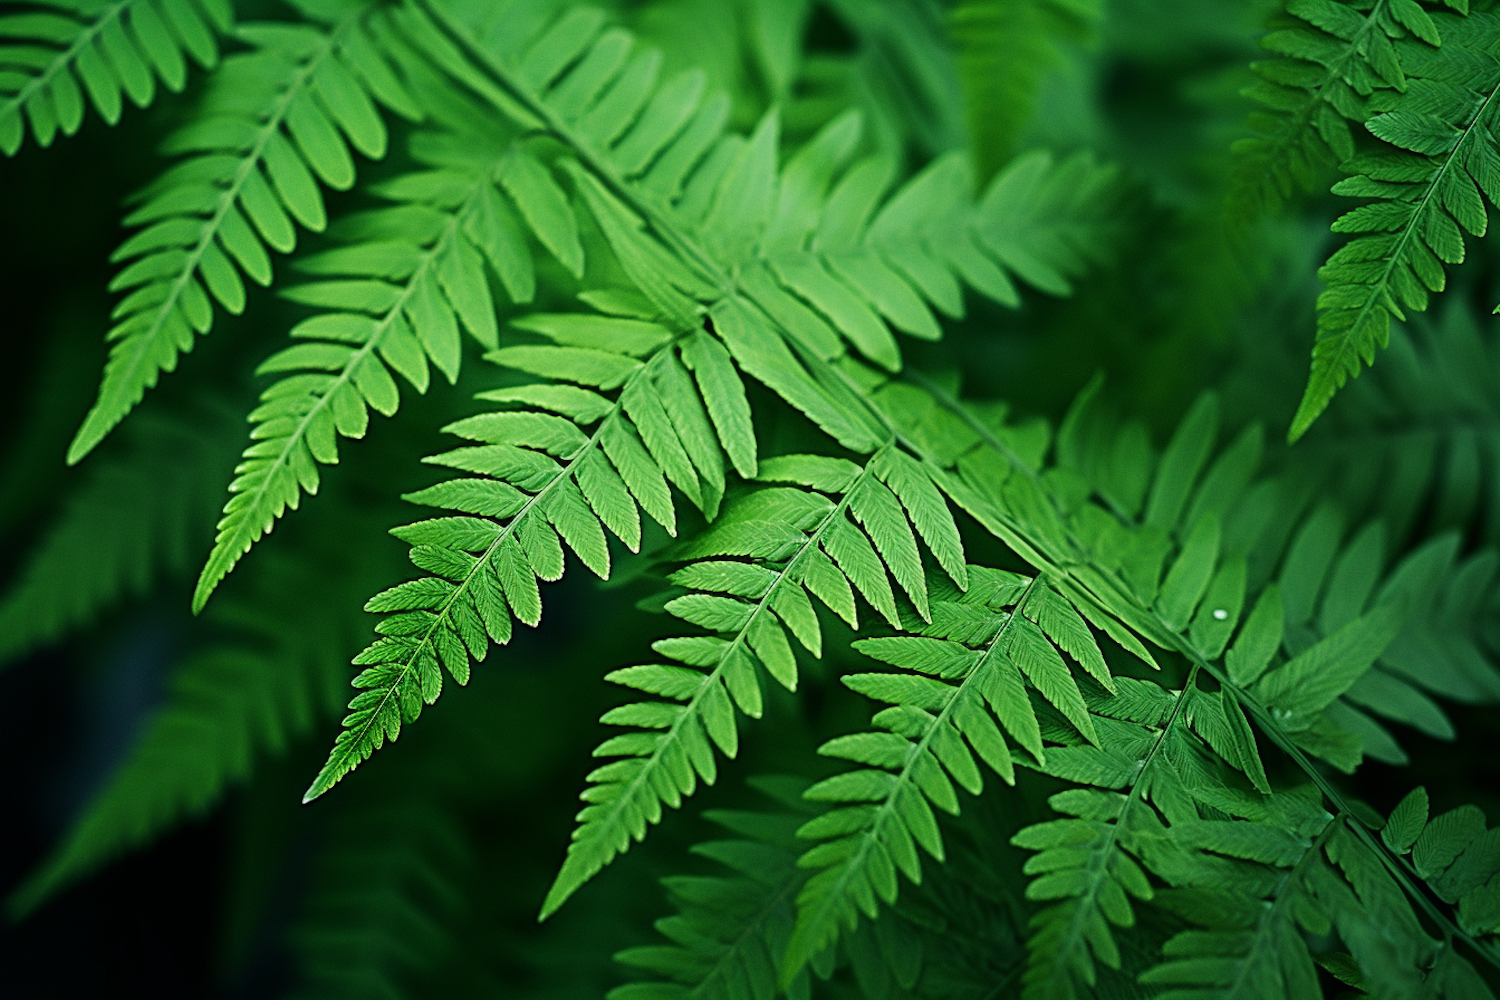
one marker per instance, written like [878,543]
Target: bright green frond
[59,56]
[1332,64]
[538,479]
[971,671]
[755,573]
[276,124]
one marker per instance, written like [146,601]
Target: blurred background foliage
[465,821]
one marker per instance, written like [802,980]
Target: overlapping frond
[271,674]
[1334,62]
[730,929]
[394,296]
[539,478]
[1182,546]
[840,529]
[821,248]
[59,56]
[793,247]
[1282,873]
[1428,185]
[136,518]
[967,675]
[276,122]
[1334,636]
[817,249]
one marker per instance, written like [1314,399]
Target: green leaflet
[262,137]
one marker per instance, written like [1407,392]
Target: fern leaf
[809,245]
[538,481]
[276,122]
[59,52]
[970,668]
[1429,185]
[759,566]
[1324,877]
[1332,62]
[406,281]
[1324,584]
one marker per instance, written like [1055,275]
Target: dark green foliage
[738,292]
[141,516]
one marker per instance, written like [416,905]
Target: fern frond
[1429,185]
[275,123]
[1004,51]
[1329,610]
[730,928]
[399,289]
[54,52]
[971,670]
[246,693]
[136,518]
[807,258]
[807,246]
[1251,887]
[539,480]
[770,552]
[1172,542]
[1088,865]
[1333,61]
